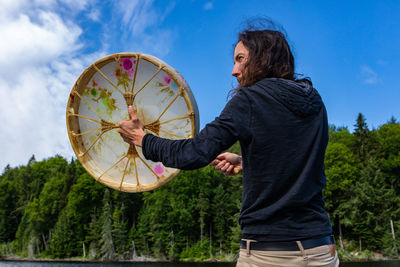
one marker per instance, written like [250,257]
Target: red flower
[167,80]
[127,63]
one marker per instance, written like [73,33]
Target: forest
[54,209]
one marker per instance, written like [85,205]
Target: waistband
[286,245]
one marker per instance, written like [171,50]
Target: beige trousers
[319,256]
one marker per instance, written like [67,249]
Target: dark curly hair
[270,55]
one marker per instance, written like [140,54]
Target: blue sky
[350,49]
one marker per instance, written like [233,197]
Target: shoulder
[251,93]
[240,100]
[238,108]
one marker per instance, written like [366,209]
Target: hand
[228,163]
[132,130]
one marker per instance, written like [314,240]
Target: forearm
[191,153]
[182,154]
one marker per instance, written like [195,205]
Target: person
[281,124]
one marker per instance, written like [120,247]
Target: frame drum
[99,100]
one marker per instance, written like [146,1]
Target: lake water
[168,264]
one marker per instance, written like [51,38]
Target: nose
[235,71]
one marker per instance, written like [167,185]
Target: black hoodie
[283,133]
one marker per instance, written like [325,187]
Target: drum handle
[236,170]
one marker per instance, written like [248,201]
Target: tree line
[54,209]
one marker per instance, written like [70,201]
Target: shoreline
[141,259]
[149,260]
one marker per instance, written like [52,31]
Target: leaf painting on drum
[168,88]
[106,104]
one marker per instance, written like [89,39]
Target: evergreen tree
[71,175]
[93,236]
[219,207]
[62,239]
[31,160]
[119,230]
[362,135]
[7,168]
[107,251]
[392,120]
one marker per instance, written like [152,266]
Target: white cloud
[208,6]
[369,76]
[42,58]
[137,16]
[76,5]
[38,67]
[94,14]
[30,43]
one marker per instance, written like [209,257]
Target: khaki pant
[319,256]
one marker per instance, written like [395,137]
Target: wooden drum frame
[99,100]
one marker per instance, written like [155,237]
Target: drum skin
[99,100]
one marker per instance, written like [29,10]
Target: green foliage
[8,219]
[197,252]
[73,223]
[62,240]
[189,209]
[362,193]
[53,208]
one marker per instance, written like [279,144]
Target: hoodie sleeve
[199,151]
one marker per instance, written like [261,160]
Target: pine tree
[31,160]
[7,168]
[93,235]
[69,181]
[107,251]
[362,134]
[393,120]
[62,239]
[119,231]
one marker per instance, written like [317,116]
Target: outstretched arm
[228,163]
[199,151]
[197,154]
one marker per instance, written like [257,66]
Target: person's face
[240,58]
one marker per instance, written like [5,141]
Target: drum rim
[73,101]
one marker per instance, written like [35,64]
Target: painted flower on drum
[167,80]
[124,71]
[166,90]
[159,169]
[127,63]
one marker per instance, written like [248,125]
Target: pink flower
[127,63]
[130,73]
[159,169]
[167,80]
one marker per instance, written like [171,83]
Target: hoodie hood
[299,97]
